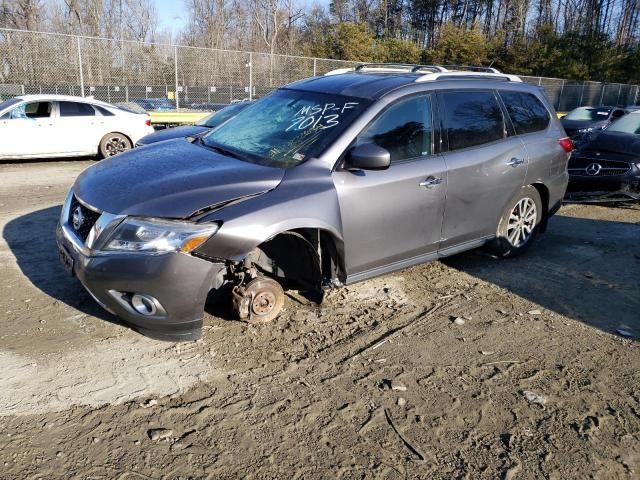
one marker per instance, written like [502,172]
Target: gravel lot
[469,368]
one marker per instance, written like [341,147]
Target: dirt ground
[470,368]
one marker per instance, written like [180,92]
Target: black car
[608,164]
[583,120]
[207,123]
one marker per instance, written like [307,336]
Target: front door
[26,131]
[392,218]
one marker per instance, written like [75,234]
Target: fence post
[560,96]
[315,66]
[604,85]
[80,66]
[635,99]
[619,92]
[22,88]
[175,64]
[250,76]
[581,95]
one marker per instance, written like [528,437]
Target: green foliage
[541,51]
[353,42]
[459,46]
[393,50]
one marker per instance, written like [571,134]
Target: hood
[173,179]
[577,124]
[171,133]
[615,142]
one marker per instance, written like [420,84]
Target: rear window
[527,113]
[76,109]
[472,118]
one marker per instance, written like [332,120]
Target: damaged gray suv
[326,182]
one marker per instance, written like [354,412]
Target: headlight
[155,235]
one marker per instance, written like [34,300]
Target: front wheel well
[304,259]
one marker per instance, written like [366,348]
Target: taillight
[566,144]
[147,122]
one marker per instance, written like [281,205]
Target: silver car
[326,182]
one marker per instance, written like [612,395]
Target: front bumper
[178,281]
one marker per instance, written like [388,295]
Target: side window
[526,111]
[472,118]
[404,129]
[38,110]
[76,109]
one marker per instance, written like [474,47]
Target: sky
[172,16]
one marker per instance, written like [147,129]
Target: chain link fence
[179,77]
[125,71]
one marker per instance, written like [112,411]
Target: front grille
[580,166]
[86,216]
[605,172]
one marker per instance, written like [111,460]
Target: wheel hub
[263,303]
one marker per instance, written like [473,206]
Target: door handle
[430,182]
[514,162]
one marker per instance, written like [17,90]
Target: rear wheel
[113,144]
[518,225]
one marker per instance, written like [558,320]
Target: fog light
[144,304]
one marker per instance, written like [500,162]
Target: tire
[518,225]
[113,144]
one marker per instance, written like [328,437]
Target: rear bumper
[179,282]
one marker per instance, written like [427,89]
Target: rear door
[76,127]
[395,215]
[531,121]
[486,164]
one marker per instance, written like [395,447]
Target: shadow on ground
[587,270]
[32,240]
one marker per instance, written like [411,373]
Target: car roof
[374,85]
[58,98]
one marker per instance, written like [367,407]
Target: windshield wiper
[221,150]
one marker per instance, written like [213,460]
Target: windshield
[287,127]
[9,103]
[221,116]
[588,113]
[627,124]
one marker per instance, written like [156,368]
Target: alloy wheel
[522,222]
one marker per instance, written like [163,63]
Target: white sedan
[42,126]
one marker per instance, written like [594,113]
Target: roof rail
[398,67]
[471,68]
[431,72]
[465,75]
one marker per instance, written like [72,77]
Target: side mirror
[368,156]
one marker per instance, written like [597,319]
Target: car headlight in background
[156,236]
